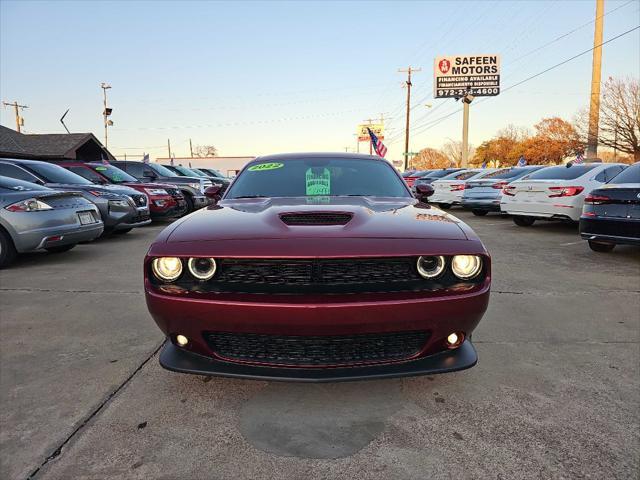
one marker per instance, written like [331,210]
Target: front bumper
[141,219]
[179,360]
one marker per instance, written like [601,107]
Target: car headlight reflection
[202,268]
[167,269]
[430,267]
[465,267]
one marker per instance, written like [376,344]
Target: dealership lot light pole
[106,113]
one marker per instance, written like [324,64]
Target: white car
[448,190]
[555,193]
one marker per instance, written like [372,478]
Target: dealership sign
[458,75]
[363,134]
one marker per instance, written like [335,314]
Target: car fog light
[430,267]
[466,267]
[202,268]
[181,340]
[167,268]
[455,339]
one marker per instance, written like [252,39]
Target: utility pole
[408,83]
[169,147]
[106,113]
[596,75]
[17,107]
[191,148]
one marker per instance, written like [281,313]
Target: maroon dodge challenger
[318,267]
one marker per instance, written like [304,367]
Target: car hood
[117,189]
[244,219]
[148,185]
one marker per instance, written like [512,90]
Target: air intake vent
[316,218]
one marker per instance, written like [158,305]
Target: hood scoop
[316,218]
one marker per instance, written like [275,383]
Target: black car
[121,208]
[611,213]
[191,187]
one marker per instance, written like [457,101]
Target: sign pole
[465,135]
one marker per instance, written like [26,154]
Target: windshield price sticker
[459,75]
[265,166]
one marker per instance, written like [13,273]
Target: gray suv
[191,187]
[121,208]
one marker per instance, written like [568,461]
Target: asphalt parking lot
[556,392]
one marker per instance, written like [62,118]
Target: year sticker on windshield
[265,166]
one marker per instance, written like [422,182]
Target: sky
[264,77]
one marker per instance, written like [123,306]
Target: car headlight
[119,203]
[202,268]
[167,268]
[465,267]
[28,205]
[195,186]
[430,267]
[156,191]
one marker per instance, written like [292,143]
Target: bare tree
[453,151]
[205,151]
[620,116]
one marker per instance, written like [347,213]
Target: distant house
[229,166]
[52,146]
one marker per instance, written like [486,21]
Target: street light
[106,113]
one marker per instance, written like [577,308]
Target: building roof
[50,146]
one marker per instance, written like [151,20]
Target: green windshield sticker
[265,166]
[318,181]
[101,169]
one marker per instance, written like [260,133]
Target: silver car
[33,217]
[483,195]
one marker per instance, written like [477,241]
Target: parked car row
[54,205]
[603,197]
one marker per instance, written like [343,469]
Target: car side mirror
[213,192]
[423,192]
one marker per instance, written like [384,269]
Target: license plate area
[86,218]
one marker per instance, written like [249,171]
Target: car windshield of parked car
[628,175]
[8,184]
[463,175]
[188,172]
[55,174]
[318,177]
[114,174]
[162,171]
[561,172]
[506,173]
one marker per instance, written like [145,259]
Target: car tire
[8,251]
[61,248]
[123,231]
[479,213]
[601,247]
[190,206]
[523,221]
[444,206]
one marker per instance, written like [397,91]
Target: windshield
[8,184]
[562,172]
[461,175]
[162,171]
[188,172]
[55,174]
[114,174]
[628,175]
[318,177]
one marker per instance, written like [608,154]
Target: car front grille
[316,350]
[316,218]
[140,200]
[319,276]
[175,193]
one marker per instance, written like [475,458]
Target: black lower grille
[610,226]
[315,350]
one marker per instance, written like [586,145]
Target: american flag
[145,158]
[378,146]
[579,158]
[484,164]
[522,161]
[173,160]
